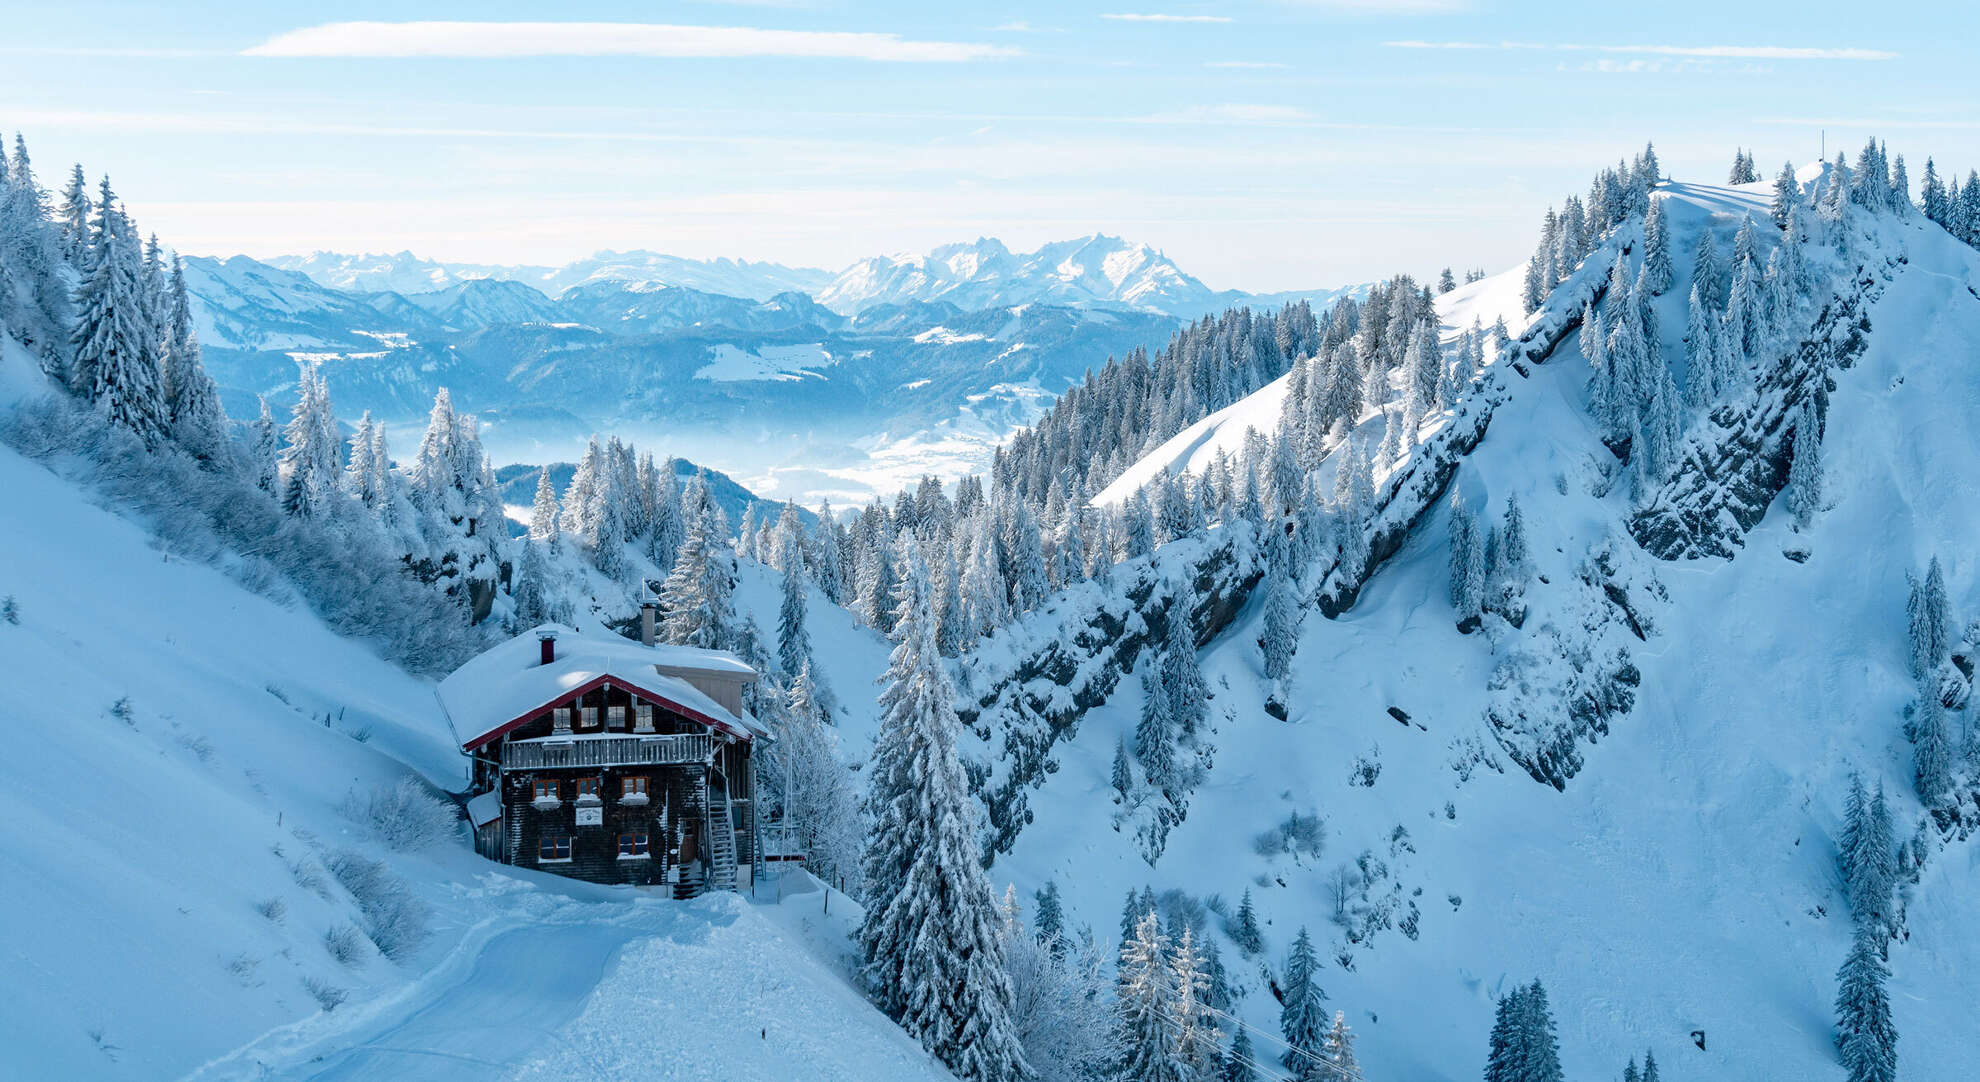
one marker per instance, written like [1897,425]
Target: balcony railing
[682,748]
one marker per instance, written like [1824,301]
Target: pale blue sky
[1268,144]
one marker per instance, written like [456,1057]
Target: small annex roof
[508,684]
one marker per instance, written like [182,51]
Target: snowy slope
[1685,879]
[180,751]
[1194,448]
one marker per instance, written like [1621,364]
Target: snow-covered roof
[507,684]
[484,808]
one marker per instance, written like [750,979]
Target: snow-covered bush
[273,909]
[1061,1005]
[310,878]
[394,918]
[10,610]
[350,576]
[345,943]
[1300,835]
[403,816]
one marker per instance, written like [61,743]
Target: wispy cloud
[1246,65]
[500,40]
[1387,7]
[1231,114]
[1736,52]
[1131,17]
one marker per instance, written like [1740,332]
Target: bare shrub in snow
[345,944]
[122,711]
[201,747]
[394,918]
[327,996]
[1061,1004]
[310,878]
[10,610]
[274,909]
[404,816]
[244,966]
[361,734]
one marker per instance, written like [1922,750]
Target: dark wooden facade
[610,787]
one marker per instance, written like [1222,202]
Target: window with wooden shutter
[553,847]
[546,789]
[632,845]
[587,788]
[633,785]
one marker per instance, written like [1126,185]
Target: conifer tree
[1182,675]
[1155,734]
[1926,612]
[1238,1064]
[1302,1019]
[543,512]
[1865,1034]
[1198,1039]
[114,341]
[1932,747]
[1805,470]
[1656,249]
[1467,562]
[1338,1052]
[1122,775]
[1505,1058]
[1051,919]
[793,637]
[192,402]
[310,456]
[930,937]
[1280,633]
[1650,1066]
[531,591]
[1147,1005]
[265,452]
[1245,931]
[75,212]
[696,601]
[1787,193]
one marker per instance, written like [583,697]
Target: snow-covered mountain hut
[614,761]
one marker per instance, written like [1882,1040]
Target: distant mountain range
[797,381]
[1092,271]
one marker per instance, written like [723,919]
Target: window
[615,717]
[643,718]
[587,717]
[632,845]
[587,788]
[554,847]
[546,789]
[560,719]
[632,786]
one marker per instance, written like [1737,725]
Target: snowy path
[563,981]
[523,986]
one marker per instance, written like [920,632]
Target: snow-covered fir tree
[696,601]
[1147,1006]
[1805,469]
[1523,1047]
[1199,1042]
[1302,1018]
[1244,927]
[114,341]
[543,512]
[311,456]
[793,638]
[1467,562]
[1656,249]
[1240,1062]
[1182,675]
[1337,1052]
[1925,613]
[931,939]
[1865,1035]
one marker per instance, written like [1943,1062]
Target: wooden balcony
[587,750]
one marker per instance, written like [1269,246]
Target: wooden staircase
[721,844]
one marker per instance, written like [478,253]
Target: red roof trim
[687,712]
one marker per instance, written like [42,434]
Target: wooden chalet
[610,760]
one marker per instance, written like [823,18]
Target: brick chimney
[649,612]
[546,641]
